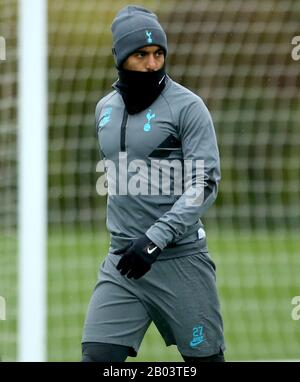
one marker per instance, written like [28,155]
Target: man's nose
[151,63]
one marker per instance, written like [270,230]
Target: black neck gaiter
[140,89]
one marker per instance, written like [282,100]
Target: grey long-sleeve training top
[177,126]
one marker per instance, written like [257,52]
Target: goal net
[237,56]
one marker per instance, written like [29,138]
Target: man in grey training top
[158,268]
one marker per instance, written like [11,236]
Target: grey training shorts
[179,295]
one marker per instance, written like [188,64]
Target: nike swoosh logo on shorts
[196,341]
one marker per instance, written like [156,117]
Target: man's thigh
[183,303]
[115,315]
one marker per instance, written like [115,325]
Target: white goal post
[32,180]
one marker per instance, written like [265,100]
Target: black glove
[137,257]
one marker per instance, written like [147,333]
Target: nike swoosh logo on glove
[151,250]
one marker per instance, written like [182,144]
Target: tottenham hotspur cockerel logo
[149,116]
[149,35]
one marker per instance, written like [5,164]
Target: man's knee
[212,358]
[101,352]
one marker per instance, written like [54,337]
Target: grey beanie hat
[135,27]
